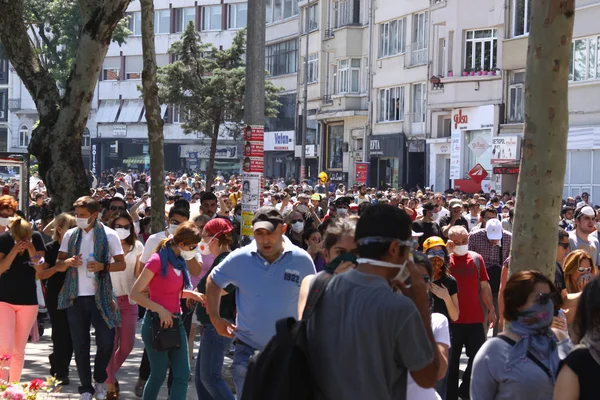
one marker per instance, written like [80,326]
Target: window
[481,50]
[313,68]
[111,74]
[348,76]
[313,18]
[391,37]
[238,15]
[282,58]
[521,17]
[418,102]
[212,18]
[391,104]
[515,97]
[585,60]
[162,21]
[278,10]
[286,114]
[85,138]
[178,118]
[135,23]
[4,105]
[133,67]
[346,12]
[335,146]
[183,16]
[23,136]
[419,39]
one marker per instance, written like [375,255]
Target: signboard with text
[279,141]
[478,173]
[361,172]
[506,149]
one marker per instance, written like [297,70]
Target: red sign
[478,173]
[506,170]
[460,119]
[467,185]
[254,164]
[254,134]
[361,172]
[254,149]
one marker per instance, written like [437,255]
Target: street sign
[478,173]
[506,170]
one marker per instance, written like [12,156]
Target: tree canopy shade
[206,86]
[62,57]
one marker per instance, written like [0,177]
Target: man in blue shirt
[267,273]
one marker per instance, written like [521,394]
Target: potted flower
[495,71]
[434,80]
[471,73]
[485,72]
[465,72]
[450,74]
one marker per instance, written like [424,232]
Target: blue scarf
[167,256]
[533,325]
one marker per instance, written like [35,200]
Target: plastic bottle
[89,273]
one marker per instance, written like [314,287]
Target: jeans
[209,382]
[15,325]
[472,337]
[83,314]
[241,358]
[186,320]
[159,364]
[62,345]
[124,337]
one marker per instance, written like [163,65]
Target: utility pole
[254,115]
[305,102]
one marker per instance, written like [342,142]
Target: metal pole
[305,103]
[254,115]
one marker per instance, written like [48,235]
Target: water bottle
[89,273]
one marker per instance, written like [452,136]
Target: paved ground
[37,366]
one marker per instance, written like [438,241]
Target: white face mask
[123,233]
[342,212]
[172,229]
[82,223]
[461,250]
[4,221]
[302,208]
[204,247]
[187,254]
[298,227]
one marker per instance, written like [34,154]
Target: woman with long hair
[444,287]
[522,362]
[122,282]
[21,257]
[579,270]
[62,345]
[311,239]
[578,376]
[217,239]
[168,280]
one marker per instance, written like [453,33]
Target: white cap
[493,229]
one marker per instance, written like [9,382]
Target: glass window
[391,37]
[313,68]
[346,12]
[238,15]
[23,136]
[391,104]
[282,58]
[183,17]
[419,39]
[335,146]
[585,59]
[277,10]
[135,23]
[212,18]
[4,105]
[111,74]
[313,18]
[286,116]
[348,76]
[481,50]
[516,104]
[85,138]
[418,105]
[521,17]
[162,21]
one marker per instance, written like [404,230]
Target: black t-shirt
[445,221]
[227,309]
[559,278]
[439,306]
[429,229]
[55,283]
[17,285]
[587,370]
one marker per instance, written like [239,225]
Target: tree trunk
[213,152]
[153,118]
[544,154]
[56,142]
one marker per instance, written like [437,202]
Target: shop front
[439,164]
[279,154]
[196,158]
[387,161]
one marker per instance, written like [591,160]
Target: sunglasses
[584,270]
[564,245]
[544,298]
[128,227]
[436,253]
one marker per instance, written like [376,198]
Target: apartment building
[5,118]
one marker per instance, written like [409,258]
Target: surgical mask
[172,229]
[4,221]
[298,227]
[482,207]
[461,250]
[342,212]
[123,233]
[187,254]
[204,246]
[404,273]
[302,208]
[82,223]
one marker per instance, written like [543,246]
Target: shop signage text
[203,151]
[506,170]
[119,130]
[460,119]
[505,149]
[279,141]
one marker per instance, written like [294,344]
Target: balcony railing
[14,104]
[415,55]
[327,99]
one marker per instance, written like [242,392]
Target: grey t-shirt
[591,245]
[364,338]
[491,380]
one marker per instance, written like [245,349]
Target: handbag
[165,339]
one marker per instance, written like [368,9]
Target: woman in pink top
[167,278]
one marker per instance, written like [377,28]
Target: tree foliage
[207,85]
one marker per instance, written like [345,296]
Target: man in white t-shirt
[87,273]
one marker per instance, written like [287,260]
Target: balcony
[14,104]
[415,55]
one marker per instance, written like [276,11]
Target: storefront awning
[143,159]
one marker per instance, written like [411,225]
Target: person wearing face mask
[295,229]
[579,270]
[468,268]
[216,241]
[342,207]
[427,226]
[122,282]
[167,277]
[522,362]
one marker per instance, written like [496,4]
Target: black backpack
[282,370]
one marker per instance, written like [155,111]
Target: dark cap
[585,194]
[266,218]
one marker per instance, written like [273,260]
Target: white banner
[279,141]
[506,149]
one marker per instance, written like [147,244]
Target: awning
[107,111]
[143,159]
[131,110]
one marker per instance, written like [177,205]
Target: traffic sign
[478,173]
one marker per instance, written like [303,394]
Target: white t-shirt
[122,281]
[151,245]
[86,285]
[441,333]
[442,213]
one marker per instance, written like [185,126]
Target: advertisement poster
[254,134]
[361,172]
[251,193]
[505,150]
[247,223]
[253,149]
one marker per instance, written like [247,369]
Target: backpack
[282,370]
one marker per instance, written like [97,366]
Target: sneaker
[100,391]
[139,387]
[64,381]
[86,396]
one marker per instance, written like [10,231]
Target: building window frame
[162,21]
[391,104]
[281,10]
[419,38]
[313,68]
[346,12]
[516,98]
[392,37]
[313,18]
[111,74]
[233,11]
[418,104]
[335,147]
[520,23]
[86,139]
[24,136]
[282,58]
[348,76]
[3,105]
[208,13]
[478,42]
[585,54]
[182,15]
[135,23]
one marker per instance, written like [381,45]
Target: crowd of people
[101,267]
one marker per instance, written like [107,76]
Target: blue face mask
[537,317]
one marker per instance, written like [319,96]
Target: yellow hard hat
[432,242]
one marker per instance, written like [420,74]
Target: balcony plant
[465,72]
